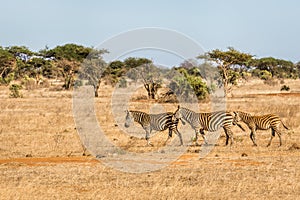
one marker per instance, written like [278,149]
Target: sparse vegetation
[15,91]
[70,62]
[285,88]
[49,144]
[41,144]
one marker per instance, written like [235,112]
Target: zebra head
[178,115]
[236,117]
[129,119]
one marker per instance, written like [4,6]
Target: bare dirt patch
[48,161]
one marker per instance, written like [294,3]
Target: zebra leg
[279,135]
[170,133]
[252,137]
[227,138]
[179,135]
[169,136]
[203,135]
[272,135]
[228,134]
[196,137]
[148,131]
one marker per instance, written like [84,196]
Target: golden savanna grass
[41,156]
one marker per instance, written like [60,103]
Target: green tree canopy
[277,67]
[19,49]
[71,52]
[226,61]
[7,65]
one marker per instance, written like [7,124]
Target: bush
[29,83]
[186,85]
[233,76]
[246,75]
[285,88]
[122,83]
[10,77]
[15,91]
[262,74]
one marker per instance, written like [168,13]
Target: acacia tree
[68,51]
[69,57]
[226,61]
[277,67]
[92,69]
[151,78]
[7,65]
[38,68]
[297,66]
[148,73]
[68,69]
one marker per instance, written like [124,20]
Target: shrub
[285,88]
[246,75]
[29,83]
[10,77]
[233,76]
[186,85]
[122,83]
[262,74]
[15,91]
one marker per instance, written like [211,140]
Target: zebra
[149,122]
[263,122]
[212,121]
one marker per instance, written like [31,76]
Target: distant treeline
[18,63]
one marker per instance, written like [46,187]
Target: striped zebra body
[207,121]
[157,122]
[263,122]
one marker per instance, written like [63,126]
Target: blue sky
[260,27]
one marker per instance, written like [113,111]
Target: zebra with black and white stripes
[212,121]
[149,122]
[263,122]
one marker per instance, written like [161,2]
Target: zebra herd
[200,122]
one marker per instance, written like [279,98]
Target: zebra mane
[137,114]
[135,111]
[244,113]
[186,109]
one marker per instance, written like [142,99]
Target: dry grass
[41,154]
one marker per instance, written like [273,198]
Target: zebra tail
[287,128]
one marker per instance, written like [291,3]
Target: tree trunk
[96,87]
[225,80]
[151,89]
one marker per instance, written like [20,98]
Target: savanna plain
[42,157]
